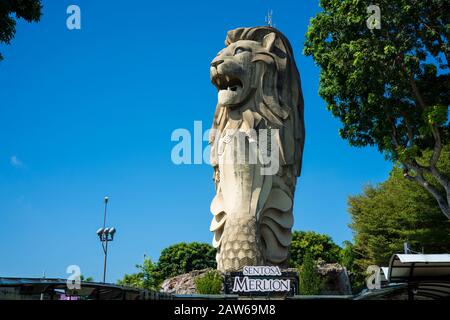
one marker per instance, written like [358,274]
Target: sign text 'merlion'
[252,281]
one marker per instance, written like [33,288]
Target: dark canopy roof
[90,290]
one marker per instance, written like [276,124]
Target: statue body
[256,148]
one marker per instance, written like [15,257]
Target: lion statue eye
[241,50]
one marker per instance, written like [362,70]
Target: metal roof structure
[427,275]
[56,289]
[415,267]
[414,277]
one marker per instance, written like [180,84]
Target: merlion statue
[256,144]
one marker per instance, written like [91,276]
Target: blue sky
[88,113]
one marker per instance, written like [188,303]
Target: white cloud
[15,162]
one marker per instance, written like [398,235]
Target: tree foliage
[174,260]
[394,212]
[147,277]
[389,86]
[319,246]
[29,10]
[349,257]
[310,281]
[185,257]
[209,283]
[86,279]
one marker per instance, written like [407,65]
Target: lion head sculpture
[258,88]
[256,71]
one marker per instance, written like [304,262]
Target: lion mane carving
[259,89]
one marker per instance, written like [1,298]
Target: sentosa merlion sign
[248,284]
[261,281]
[256,148]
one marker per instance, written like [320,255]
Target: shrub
[185,257]
[320,246]
[209,283]
[310,281]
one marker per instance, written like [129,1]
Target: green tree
[148,277]
[29,10]
[348,255]
[134,280]
[174,260]
[209,283]
[185,257]
[86,279]
[389,86]
[310,281]
[394,212]
[320,246]
[348,258]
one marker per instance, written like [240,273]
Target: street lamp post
[105,235]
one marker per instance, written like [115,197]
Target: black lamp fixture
[105,235]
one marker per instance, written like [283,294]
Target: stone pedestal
[184,283]
[335,278]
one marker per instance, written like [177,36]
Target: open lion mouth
[226,82]
[230,89]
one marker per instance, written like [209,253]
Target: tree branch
[419,178]
[438,38]
[408,130]
[415,90]
[394,133]
[437,147]
[436,135]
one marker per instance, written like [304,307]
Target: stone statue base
[336,280]
[184,283]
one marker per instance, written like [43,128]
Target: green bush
[310,281]
[209,283]
[148,277]
[185,257]
[320,246]
[396,211]
[174,260]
